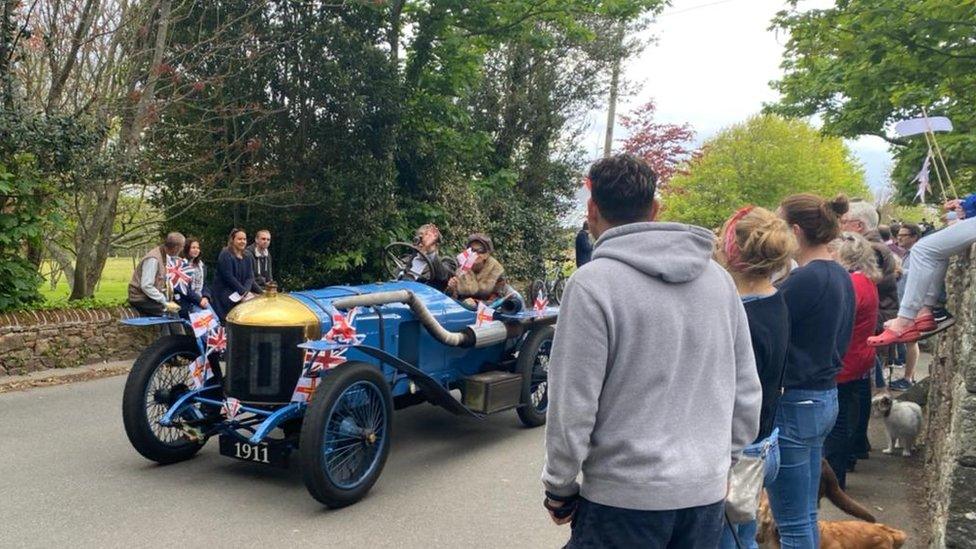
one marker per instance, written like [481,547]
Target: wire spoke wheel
[356,430]
[158,378]
[346,434]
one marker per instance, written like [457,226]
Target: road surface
[68,477]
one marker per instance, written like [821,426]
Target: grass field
[112,287]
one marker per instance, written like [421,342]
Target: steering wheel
[397,267]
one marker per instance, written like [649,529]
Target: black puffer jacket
[888,286]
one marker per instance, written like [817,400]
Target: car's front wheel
[345,438]
[159,376]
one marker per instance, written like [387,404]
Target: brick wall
[37,340]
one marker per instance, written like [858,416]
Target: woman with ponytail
[820,298]
[753,246]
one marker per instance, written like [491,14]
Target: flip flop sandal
[925,323]
[938,328]
[889,337]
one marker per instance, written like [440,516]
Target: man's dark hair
[885,232]
[912,229]
[623,188]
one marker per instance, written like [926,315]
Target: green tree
[865,64]
[25,212]
[760,162]
[467,120]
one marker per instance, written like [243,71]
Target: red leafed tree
[664,146]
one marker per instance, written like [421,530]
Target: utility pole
[618,55]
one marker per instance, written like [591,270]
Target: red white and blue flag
[343,328]
[231,408]
[200,371]
[179,274]
[217,340]
[541,302]
[318,361]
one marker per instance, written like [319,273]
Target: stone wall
[36,340]
[950,437]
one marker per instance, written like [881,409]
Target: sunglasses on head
[477,249]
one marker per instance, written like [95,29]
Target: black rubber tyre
[166,352]
[557,292]
[325,407]
[533,364]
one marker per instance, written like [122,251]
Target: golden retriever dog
[844,534]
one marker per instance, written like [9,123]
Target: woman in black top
[235,275]
[820,299]
[754,245]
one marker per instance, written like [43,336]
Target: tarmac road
[68,477]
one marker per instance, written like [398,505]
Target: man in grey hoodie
[653,389]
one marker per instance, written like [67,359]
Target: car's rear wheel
[533,364]
[345,438]
[158,377]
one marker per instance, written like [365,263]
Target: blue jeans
[598,526]
[746,532]
[804,419]
[879,381]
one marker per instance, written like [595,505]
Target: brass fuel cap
[272,309]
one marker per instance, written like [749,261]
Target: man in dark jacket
[584,249]
[262,260]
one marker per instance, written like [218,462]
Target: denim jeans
[838,448]
[804,419]
[925,282]
[746,532]
[598,526]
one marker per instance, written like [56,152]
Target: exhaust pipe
[464,338]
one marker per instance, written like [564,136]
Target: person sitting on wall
[261,259]
[485,280]
[428,239]
[148,290]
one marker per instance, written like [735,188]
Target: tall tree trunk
[618,55]
[6,52]
[95,239]
[77,38]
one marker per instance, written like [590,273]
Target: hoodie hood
[674,252]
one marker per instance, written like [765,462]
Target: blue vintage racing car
[321,372]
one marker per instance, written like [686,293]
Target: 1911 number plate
[276,456]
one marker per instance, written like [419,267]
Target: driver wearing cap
[485,280]
[428,240]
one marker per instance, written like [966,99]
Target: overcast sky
[711,67]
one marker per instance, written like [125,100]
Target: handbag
[745,488]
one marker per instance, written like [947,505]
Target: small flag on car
[200,371]
[541,301]
[305,389]
[317,361]
[485,314]
[203,322]
[343,328]
[216,340]
[231,408]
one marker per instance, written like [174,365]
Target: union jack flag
[541,301]
[343,330]
[200,371]
[217,340]
[179,273]
[317,361]
[485,314]
[466,259]
[231,408]
[305,389]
